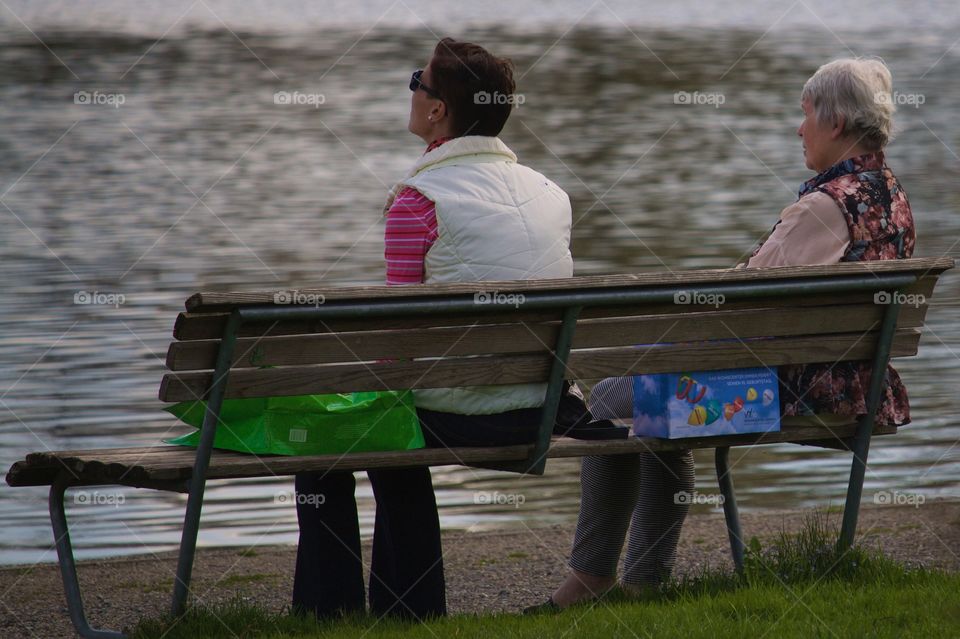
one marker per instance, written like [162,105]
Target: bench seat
[169,467]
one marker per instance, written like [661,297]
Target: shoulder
[815,214]
[817,203]
[410,200]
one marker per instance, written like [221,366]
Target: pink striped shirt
[411,230]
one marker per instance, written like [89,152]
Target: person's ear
[838,127]
[438,110]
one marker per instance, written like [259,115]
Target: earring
[430,117]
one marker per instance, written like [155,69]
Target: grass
[799,586]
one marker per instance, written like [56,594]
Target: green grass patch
[799,586]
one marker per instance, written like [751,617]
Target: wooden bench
[235,345]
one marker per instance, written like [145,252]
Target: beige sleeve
[811,231]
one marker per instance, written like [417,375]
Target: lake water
[198,181]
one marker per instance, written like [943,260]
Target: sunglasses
[415,84]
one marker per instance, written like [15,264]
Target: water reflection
[199,181]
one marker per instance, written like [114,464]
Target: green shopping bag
[309,424]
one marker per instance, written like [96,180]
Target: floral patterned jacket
[880,223]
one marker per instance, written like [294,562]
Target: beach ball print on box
[724,402]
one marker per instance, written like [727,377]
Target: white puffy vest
[496,220]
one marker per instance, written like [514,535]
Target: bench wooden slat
[203,326]
[41,457]
[518,369]
[577,448]
[209,326]
[525,338]
[205,302]
[155,465]
[736,354]
[178,464]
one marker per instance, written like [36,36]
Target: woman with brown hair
[467,211]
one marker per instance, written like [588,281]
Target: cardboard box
[722,402]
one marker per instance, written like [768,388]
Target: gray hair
[861,91]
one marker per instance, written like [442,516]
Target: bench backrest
[372,338]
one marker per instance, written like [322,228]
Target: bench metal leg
[536,461]
[858,469]
[68,567]
[558,369]
[730,512]
[198,479]
[861,444]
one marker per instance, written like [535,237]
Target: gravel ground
[486,572]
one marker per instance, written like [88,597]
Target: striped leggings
[629,490]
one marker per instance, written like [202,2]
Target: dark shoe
[548,607]
[574,418]
[572,411]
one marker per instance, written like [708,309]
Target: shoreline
[487,572]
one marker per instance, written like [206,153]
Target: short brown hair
[476,86]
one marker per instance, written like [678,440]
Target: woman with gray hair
[853,209]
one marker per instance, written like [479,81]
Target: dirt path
[486,572]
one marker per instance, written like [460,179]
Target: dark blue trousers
[406,568]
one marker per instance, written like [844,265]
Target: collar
[858,164]
[436,143]
[447,149]
[468,145]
